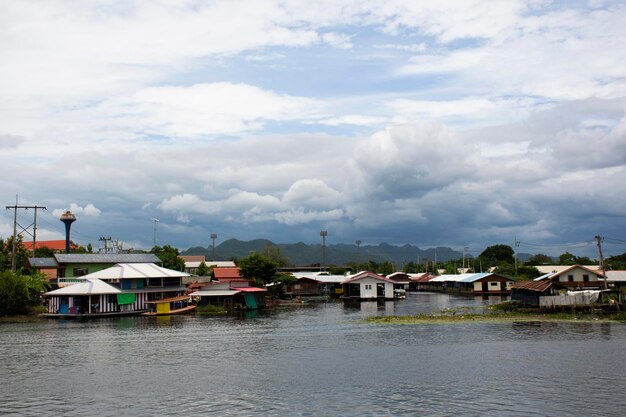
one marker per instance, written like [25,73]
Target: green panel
[250,301]
[140,283]
[126,298]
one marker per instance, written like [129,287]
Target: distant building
[368,286]
[192,263]
[68,265]
[54,245]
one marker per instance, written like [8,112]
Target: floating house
[529,293]
[123,289]
[231,294]
[315,284]
[484,283]
[368,286]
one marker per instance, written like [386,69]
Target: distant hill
[338,254]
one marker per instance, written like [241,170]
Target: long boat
[169,306]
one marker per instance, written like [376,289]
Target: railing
[64,282]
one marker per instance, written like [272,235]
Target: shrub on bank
[20,293]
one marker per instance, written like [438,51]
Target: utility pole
[323,234]
[155,221]
[515,245]
[23,229]
[601,259]
[465,248]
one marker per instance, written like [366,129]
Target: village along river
[314,361]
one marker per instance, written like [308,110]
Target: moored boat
[169,306]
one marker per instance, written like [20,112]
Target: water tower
[67,218]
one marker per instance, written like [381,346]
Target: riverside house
[123,289]
[69,265]
[484,283]
[368,286]
[576,277]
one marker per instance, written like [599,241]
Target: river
[321,360]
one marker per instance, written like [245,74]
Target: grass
[210,310]
[499,315]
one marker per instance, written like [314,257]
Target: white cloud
[337,40]
[89,210]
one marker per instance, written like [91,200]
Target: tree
[20,292]
[616,262]
[6,253]
[273,254]
[539,259]
[203,270]
[570,259]
[258,268]
[496,254]
[169,256]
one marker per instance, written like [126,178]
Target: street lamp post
[155,221]
[358,251]
[323,234]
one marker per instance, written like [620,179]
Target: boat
[169,306]
[399,294]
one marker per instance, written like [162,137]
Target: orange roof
[193,258]
[50,244]
[226,273]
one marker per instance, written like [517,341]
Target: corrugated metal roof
[89,287]
[106,258]
[216,293]
[250,289]
[616,275]
[539,286]
[136,270]
[365,274]
[43,262]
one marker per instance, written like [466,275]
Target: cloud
[11,141]
[205,109]
[89,210]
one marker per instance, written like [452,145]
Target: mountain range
[300,254]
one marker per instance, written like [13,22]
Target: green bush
[19,293]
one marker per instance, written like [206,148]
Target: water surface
[314,361]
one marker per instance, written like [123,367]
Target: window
[79,272]
[368,286]
[570,278]
[586,277]
[494,284]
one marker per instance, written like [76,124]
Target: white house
[368,286]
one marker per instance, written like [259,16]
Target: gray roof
[106,258]
[43,263]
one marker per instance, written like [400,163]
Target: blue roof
[476,277]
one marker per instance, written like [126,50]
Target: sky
[452,123]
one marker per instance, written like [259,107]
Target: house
[368,286]
[315,283]
[226,274]
[192,263]
[419,282]
[616,279]
[576,277]
[484,283]
[402,280]
[530,292]
[551,269]
[123,289]
[67,265]
[231,294]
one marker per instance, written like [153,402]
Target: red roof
[367,274]
[226,273]
[249,289]
[51,244]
